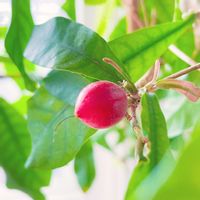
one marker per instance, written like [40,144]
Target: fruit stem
[184,71]
[111,62]
[140,139]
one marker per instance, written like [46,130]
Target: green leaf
[105,15]
[84,166]
[184,182]
[119,30]
[57,135]
[163,10]
[15,145]
[12,71]
[94,2]
[65,86]
[177,10]
[186,44]
[148,187]
[139,50]
[3,32]
[21,105]
[177,143]
[182,119]
[154,125]
[70,8]
[18,36]
[139,174]
[65,45]
[100,138]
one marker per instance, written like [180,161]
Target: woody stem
[184,71]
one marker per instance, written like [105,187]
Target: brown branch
[184,71]
[131,7]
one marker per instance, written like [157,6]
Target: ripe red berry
[101,104]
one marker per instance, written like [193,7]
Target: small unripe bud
[101,104]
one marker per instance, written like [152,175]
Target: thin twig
[184,71]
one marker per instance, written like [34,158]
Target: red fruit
[101,104]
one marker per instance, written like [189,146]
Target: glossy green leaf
[177,143]
[57,135]
[184,183]
[84,166]
[70,8]
[18,36]
[139,50]
[65,45]
[119,30]
[65,86]
[154,125]
[15,145]
[139,174]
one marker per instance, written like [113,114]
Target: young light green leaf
[65,86]
[18,36]
[105,15]
[184,182]
[3,32]
[57,135]
[94,2]
[70,8]
[139,50]
[15,145]
[154,125]
[84,166]
[65,45]
[186,44]
[159,11]
[119,30]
